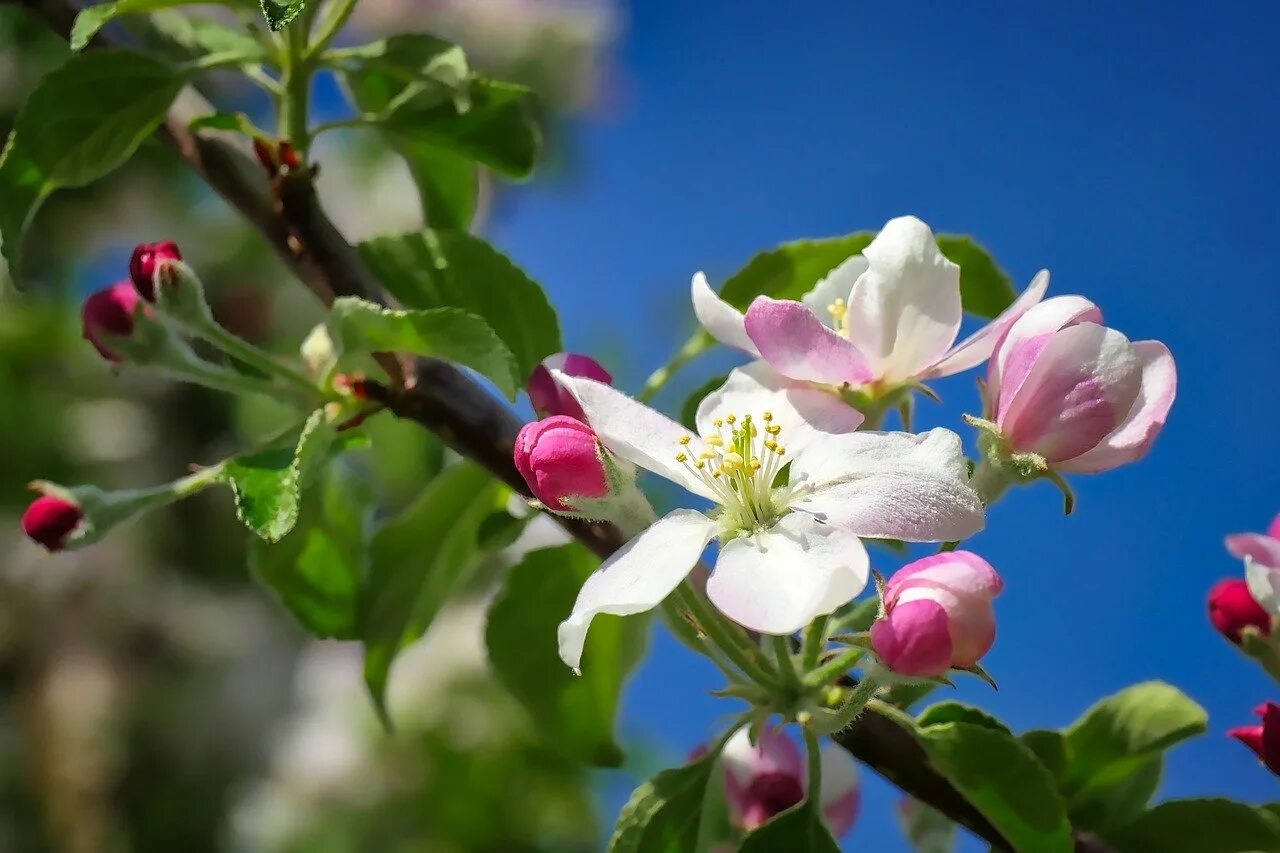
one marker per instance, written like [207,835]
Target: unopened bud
[1232,609]
[289,156]
[559,458]
[142,265]
[49,520]
[550,397]
[109,313]
[1263,739]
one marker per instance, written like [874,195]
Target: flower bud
[549,397]
[109,313]
[1261,555]
[763,780]
[49,520]
[142,265]
[1075,393]
[937,615]
[559,457]
[1232,609]
[1263,739]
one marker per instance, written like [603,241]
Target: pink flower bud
[109,312]
[1264,739]
[142,265]
[49,520]
[1075,392]
[549,397]
[937,615]
[771,777]
[559,457]
[1232,609]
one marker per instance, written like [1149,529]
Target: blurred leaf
[453,269]
[500,529]
[792,269]
[1004,780]
[448,183]
[1199,826]
[83,120]
[416,560]
[928,830]
[1116,736]
[412,60]
[1049,746]
[210,39]
[985,290]
[267,485]
[279,15]
[799,828]
[689,410]
[575,711]
[664,813]
[93,18]
[1104,806]
[958,712]
[232,122]
[905,695]
[448,333]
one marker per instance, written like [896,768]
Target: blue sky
[1129,149]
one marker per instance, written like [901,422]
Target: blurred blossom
[110,430]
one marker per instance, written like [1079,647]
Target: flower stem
[858,699]
[989,481]
[294,106]
[814,755]
[833,668]
[687,634]
[246,352]
[201,372]
[728,637]
[815,637]
[335,18]
[660,377]
[786,666]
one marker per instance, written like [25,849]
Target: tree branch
[446,401]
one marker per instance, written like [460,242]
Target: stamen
[685,439]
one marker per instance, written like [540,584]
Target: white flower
[789,545]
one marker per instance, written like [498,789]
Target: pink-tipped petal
[1134,437]
[1041,319]
[796,344]
[978,347]
[1274,530]
[721,320]
[1255,546]
[913,639]
[963,572]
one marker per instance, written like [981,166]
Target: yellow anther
[684,439]
[773,430]
[732,461]
[731,418]
[707,454]
[768,416]
[718,422]
[782,451]
[699,464]
[682,457]
[755,464]
[715,441]
[771,444]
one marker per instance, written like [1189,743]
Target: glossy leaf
[437,269]
[792,269]
[447,333]
[85,119]
[958,712]
[664,813]
[1199,826]
[985,289]
[575,712]
[799,828]
[416,561]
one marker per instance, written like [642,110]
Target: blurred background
[152,697]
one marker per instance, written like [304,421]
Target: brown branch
[449,403]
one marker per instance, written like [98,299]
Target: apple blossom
[937,615]
[1232,609]
[559,458]
[143,261]
[50,519]
[1263,739]
[789,546]
[771,777]
[883,319]
[549,397]
[109,313]
[1261,555]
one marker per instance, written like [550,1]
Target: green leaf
[94,18]
[663,814]
[231,122]
[1004,780]
[1049,746]
[928,830]
[1117,735]
[985,290]
[958,712]
[799,828]
[448,333]
[416,561]
[267,485]
[211,41]
[1199,826]
[689,410]
[792,269]
[410,60]
[856,616]
[454,269]
[575,712]
[280,15]
[500,529]
[1099,808]
[447,183]
[85,119]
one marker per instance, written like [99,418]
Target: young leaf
[1199,826]
[93,18]
[1117,735]
[83,120]
[1004,781]
[958,712]
[792,269]
[664,813]
[409,59]
[280,15]
[985,290]
[1049,746]
[576,712]
[267,485]
[448,183]
[416,561]
[454,269]
[209,40]
[1101,807]
[448,333]
[798,828]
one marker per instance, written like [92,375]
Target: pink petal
[1041,319]
[914,639]
[1134,437]
[840,791]
[774,752]
[796,344]
[1274,530]
[719,318]
[978,347]
[962,572]
[1080,387]
[1255,546]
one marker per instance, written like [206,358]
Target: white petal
[892,485]
[804,413]
[638,576]
[778,580]
[904,312]
[719,318]
[837,285]
[1264,585]
[978,347]
[839,773]
[634,431]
